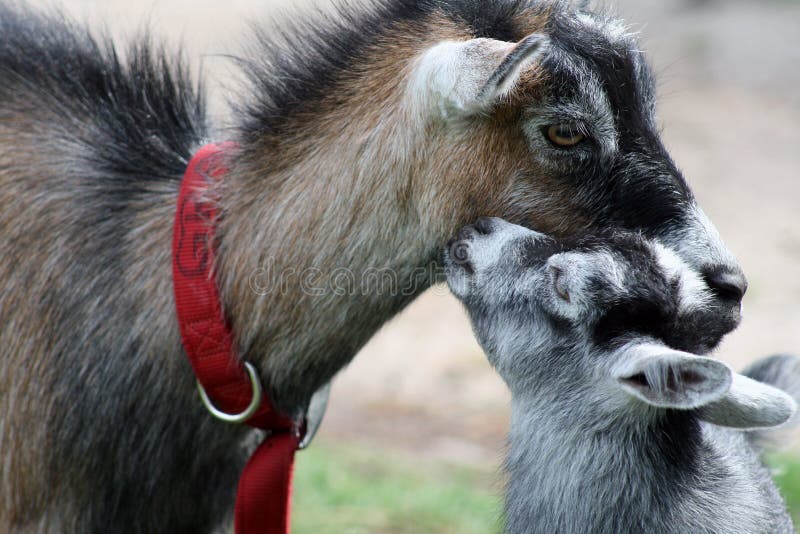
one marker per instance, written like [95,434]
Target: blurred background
[416,424]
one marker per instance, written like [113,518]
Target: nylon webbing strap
[263,497]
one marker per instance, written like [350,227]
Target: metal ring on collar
[239,418]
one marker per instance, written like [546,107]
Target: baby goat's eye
[564,135]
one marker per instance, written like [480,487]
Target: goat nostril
[728,285]
[484,226]
[466,233]
[458,249]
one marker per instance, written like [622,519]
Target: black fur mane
[150,111]
[301,61]
[146,112]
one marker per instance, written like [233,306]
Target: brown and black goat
[366,141]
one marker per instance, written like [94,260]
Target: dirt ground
[730,108]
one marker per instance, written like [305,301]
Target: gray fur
[338,170]
[614,436]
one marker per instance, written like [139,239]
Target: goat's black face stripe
[650,309]
[638,316]
[641,188]
[534,253]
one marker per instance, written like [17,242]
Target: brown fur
[101,428]
[407,187]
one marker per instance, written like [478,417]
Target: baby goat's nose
[485,225]
[728,284]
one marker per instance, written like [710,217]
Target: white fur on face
[694,293]
[699,242]
[487,250]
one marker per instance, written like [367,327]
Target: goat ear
[469,77]
[666,378]
[506,75]
[568,278]
[571,277]
[750,404]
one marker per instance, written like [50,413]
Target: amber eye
[565,135]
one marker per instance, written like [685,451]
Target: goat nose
[485,225]
[730,285]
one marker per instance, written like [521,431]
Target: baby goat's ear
[666,378]
[574,279]
[469,77]
[750,404]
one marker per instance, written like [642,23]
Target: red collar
[226,385]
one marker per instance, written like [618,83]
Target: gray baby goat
[617,425]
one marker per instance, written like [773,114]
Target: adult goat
[366,141]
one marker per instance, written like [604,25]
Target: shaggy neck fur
[392,175]
[92,151]
[582,470]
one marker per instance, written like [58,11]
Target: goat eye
[565,135]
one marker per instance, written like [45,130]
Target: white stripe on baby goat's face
[694,293]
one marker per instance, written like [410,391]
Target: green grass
[351,490]
[786,471]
